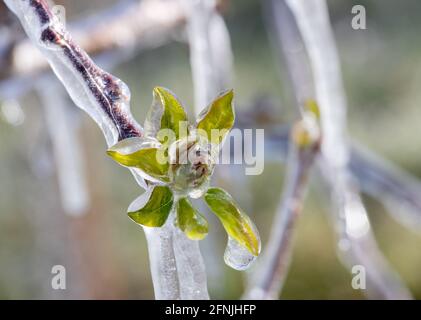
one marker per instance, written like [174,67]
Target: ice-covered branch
[104,97]
[356,243]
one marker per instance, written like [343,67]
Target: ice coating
[152,123]
[190,266]
[140,201]
[177,266]
[200,190]
[132,145]
[163,262]
[237,256]
[104,97]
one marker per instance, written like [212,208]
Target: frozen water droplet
[236,256]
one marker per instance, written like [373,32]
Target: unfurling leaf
[219,115]
[236,223]
[155,206]
[149,160]
[190,221]
[166,112]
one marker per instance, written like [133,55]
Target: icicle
[236,256]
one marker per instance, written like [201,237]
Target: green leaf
[166,112]
[148,160]
[190,221]
[155,205]
[236,223]
[219,115]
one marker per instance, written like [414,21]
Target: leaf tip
[111,153]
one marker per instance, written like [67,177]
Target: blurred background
[104,253]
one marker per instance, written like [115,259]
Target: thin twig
[269,276]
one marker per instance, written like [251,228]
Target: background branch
[66,146]
[268,278]
[356,243]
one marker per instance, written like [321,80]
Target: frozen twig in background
[376,176]
[129,24]
[106,99]
[356,243]
[210,51]
[397,190]
[268,278]
[66,147]
[286,42]
[126,28]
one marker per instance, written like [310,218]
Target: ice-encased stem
[190,267]
[177,267]
[163,263]
[176,263]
